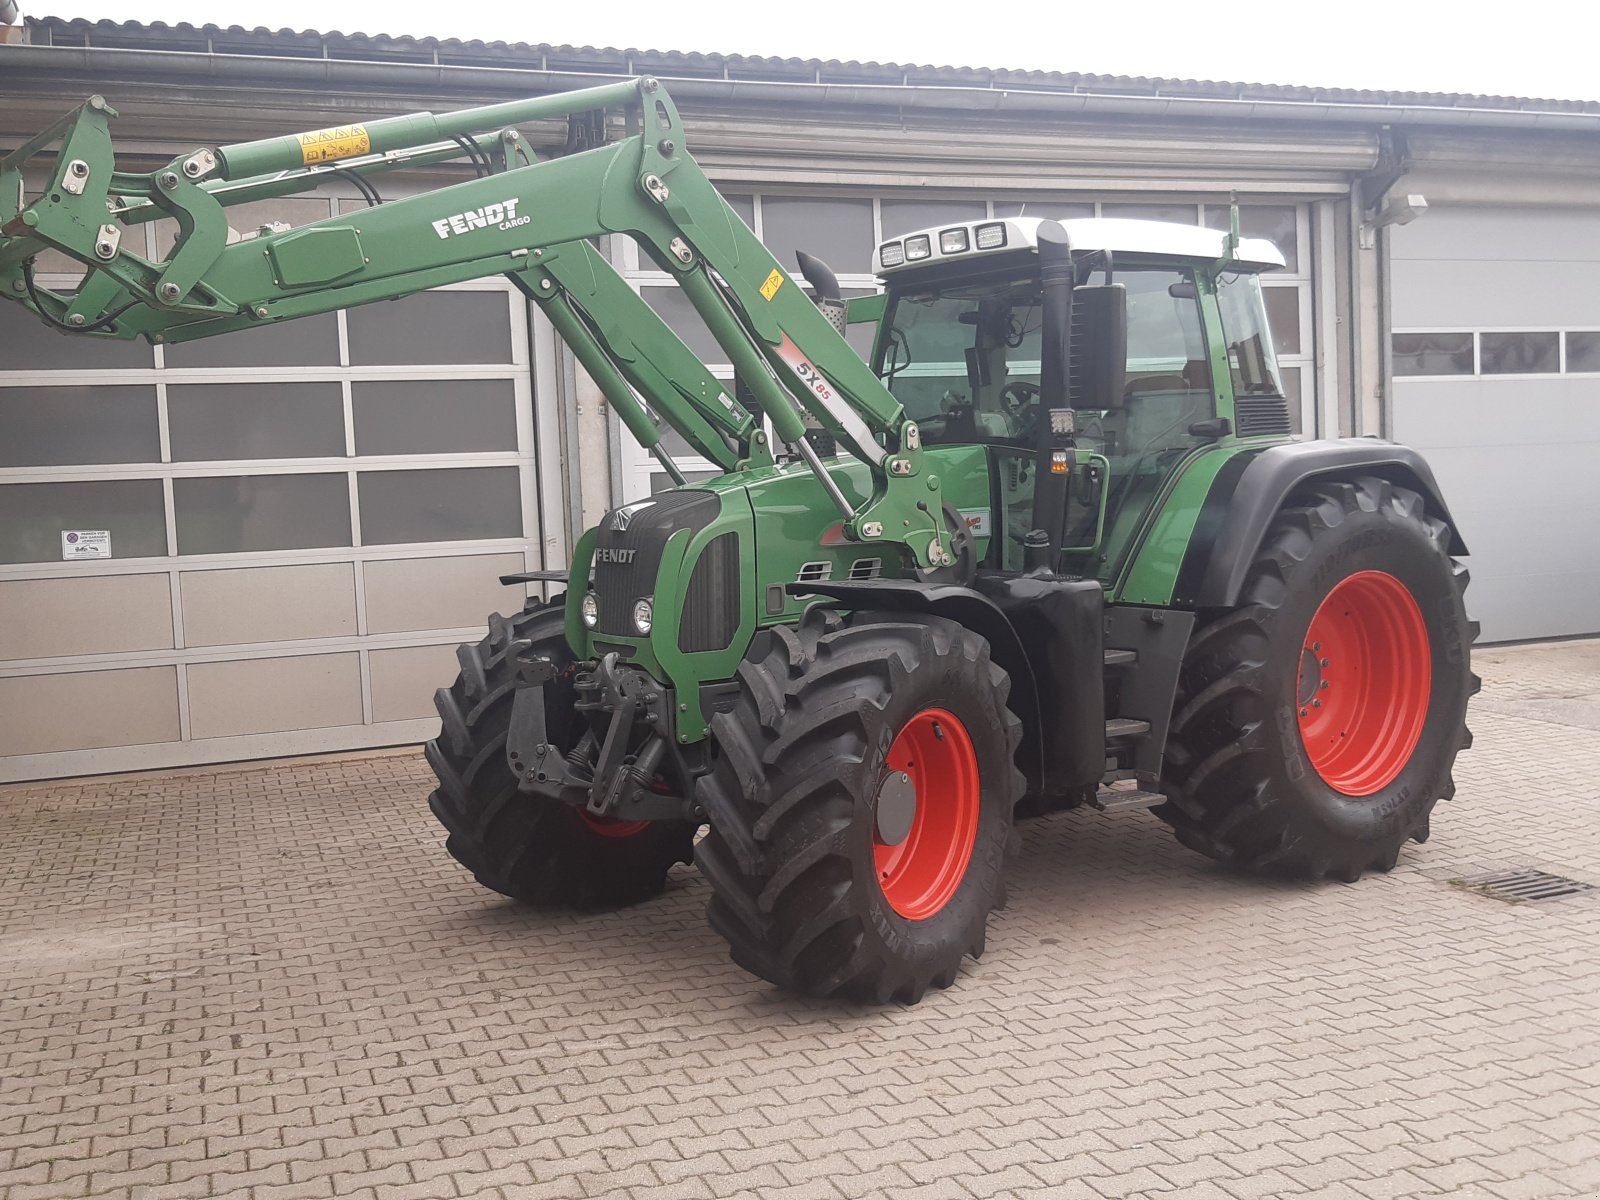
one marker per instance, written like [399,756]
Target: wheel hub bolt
[1316,704]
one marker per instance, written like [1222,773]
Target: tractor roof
[1156,239]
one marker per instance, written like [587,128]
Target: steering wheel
[1022,401]
[1018,394]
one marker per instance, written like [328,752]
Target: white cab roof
[1156,238]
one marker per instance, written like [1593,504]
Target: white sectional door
[1496,351]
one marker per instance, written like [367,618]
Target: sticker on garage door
[85,543]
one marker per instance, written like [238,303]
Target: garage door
[1496,319]
[266,543]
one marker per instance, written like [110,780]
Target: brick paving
[270,982]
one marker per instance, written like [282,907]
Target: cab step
[1121,658]
[1123,799]
[1121,728]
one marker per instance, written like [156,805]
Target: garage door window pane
[745,206]
[1291,393]
[434,416]
[255,420]
[1432,353]
[34,515]
[660,481]
[1275,222]
[837,231]
[251,216]
[1583,351]
[1050,210]
[432,327]
[306,342]
[1180,214]
[1283,311]
[440,506]
[26,343]
[1518,353]
[60,426]
[903,216]
[232,514]
[672,305]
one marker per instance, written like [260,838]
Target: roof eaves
[260,40]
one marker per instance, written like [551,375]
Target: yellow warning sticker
[325,145]
[769,289]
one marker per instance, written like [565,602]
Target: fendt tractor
[1051,546]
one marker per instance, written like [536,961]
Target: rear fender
[1243,501]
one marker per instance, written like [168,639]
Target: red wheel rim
[609,826]
[1366,672]
[922,873]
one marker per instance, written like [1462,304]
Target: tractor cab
[1168,351]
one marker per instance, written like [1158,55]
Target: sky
[1539,48]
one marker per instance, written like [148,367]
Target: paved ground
[271,982]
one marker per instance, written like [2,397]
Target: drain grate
[1523,886]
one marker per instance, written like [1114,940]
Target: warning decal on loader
[325,145]
[769,289]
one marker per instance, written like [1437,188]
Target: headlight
[891,254]
[952,241]
[919,247]
[591,610]
[991,237]
[643,614]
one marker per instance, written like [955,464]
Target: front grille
[638,534]
[1260,416]
[711,605]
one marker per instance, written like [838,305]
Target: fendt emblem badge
[607,555]
[623,517]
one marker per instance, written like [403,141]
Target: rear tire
[805,889]
[528,847]
[1280,758]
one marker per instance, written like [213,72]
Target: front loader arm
[530,222]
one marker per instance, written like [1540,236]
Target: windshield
[965,362]
[1251,358]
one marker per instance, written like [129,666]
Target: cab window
[965,361]
[1168,382]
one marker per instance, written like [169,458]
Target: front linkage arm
[529,220]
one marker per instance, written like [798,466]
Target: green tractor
[1052,546]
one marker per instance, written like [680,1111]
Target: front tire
[1317,723]
[528,847]
[816,885]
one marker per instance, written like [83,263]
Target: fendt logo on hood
[497,216]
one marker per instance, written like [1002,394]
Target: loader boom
[524,217]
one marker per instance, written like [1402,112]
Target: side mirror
[1099,346]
